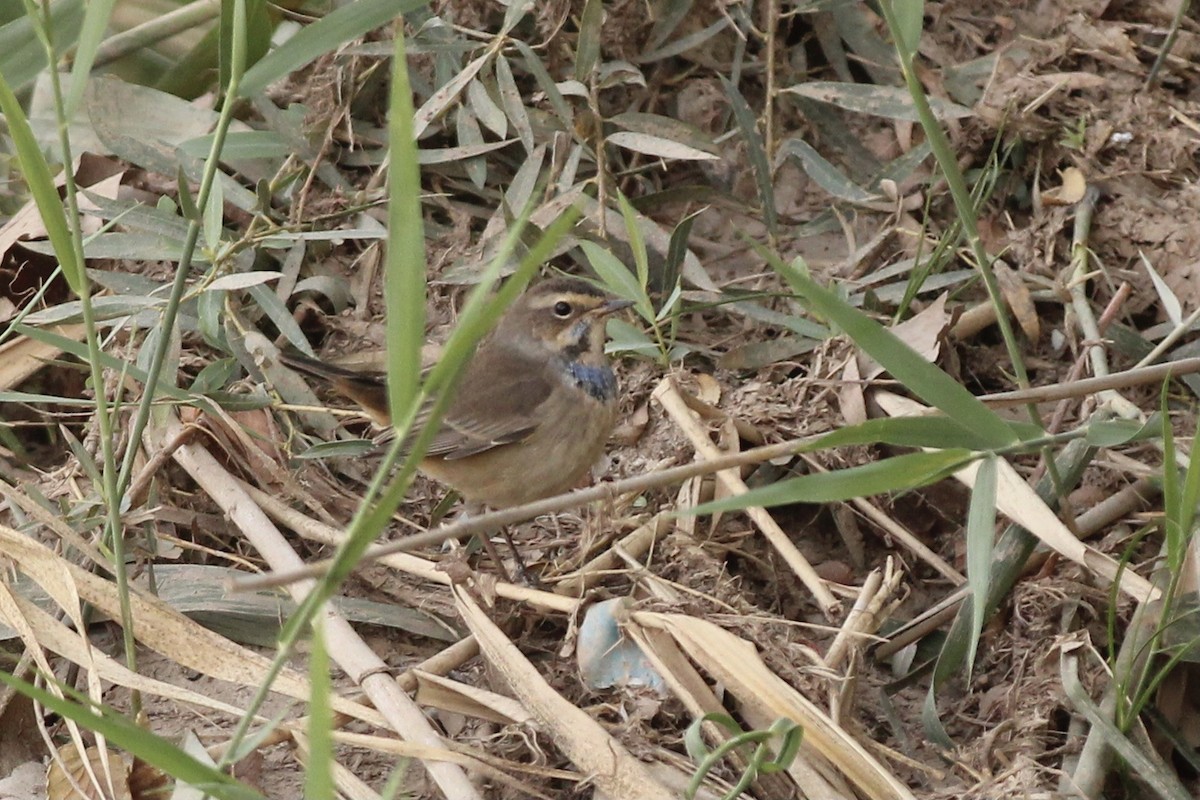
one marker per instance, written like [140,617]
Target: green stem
[958,192]
[110,489]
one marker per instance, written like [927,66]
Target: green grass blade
[755,151]
[24,56]
[41,185]
[981,532]
[921,377]
[404,287]
[152,749]
[901,473]
[318,779]
[91,34]
[935,431]
[327,34]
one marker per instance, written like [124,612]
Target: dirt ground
[1059,98]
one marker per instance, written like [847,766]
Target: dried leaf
[1070,192]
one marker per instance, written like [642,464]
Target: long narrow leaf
[981,532]
[91,34]
[897,474]
[319,775]
[935,432]
[22,53]
[404,287]
[925,379]
[756,152]
[327,34]
[41,186]
[154,750]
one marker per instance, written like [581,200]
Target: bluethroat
[534,406]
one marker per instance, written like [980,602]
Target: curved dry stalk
[345,647]
[311,529]
[668,396]
[613,768]
[1017,500]
[509,516]
[654,480]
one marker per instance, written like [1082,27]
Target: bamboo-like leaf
[1114,432]
[619,73]
[240,145]
[335,289]
[520,189]
[517,9]
[616,276]
[792,322]
[755,151]
[274,308]
[448,155]
[242,280]
[665,128]
[827,176]
[469,135]
[41,186]
[637,242]
[485,109]
[659,147]
[23,55]
[214,218]
[514,107]
[677,250]
[1170,301]
[910,14]
[91,34]
[102,308]
[285,240]
[323,36]
[861,35]
[925,379]
[668,18]
[933,432]
[901,473]
[625,338]
[256,29]
[891,102]
[187,202]
[343,448]
[546,83]
[138,741]
[587,50]
[210,307]
[684,43]
[981,533]
[440,100]
[37,398]
[133,246]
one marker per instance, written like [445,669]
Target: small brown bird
[534,406]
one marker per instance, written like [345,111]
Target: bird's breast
[568,440]
[597,380]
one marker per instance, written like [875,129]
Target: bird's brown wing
[493,406]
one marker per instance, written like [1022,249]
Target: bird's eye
[562,309]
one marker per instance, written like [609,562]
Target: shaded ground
[1054,87]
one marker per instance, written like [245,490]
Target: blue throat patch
[598,381]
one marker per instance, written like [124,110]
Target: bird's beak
[612,307]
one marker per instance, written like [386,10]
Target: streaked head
[564,314]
